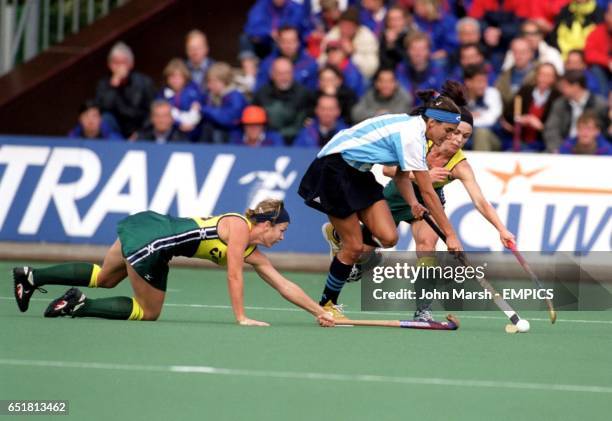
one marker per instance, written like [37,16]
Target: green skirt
[149,241]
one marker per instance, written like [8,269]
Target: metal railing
[28,27]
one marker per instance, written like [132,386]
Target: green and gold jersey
[149,233]
[452,163]
[212,247]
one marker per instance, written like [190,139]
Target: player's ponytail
[441,107]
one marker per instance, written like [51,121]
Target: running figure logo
[269,184]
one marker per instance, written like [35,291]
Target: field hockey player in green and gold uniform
[147,241]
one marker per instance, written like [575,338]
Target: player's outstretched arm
[238,241]
[287,289]
[463,171]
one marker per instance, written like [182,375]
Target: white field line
[296,375]
[376,313]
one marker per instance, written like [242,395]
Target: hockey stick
[451,324]
[552,314]
[497,298]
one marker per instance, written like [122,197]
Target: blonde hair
[177,65]
[221,71]
[263,207]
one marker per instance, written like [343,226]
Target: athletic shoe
[336,310]
[356,273]
[67,304]
[24,286]
[423,316]
[330,235]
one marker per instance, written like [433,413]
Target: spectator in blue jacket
[222,105]
[588,140]
[304,66]
[254,130]
[418,72]
[373,14]
[91,125]
[575,61]
[327,122]
[337,57]
[265,18]
[440,26]
[198,62]
[184,97]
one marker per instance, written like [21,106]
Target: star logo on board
[518,171]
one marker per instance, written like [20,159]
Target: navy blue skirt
[333,187]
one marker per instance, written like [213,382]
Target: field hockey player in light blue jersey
[339,182]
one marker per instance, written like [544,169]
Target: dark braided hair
[451,97]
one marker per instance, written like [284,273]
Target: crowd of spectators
[536,75]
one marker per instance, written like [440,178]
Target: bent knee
[389,240]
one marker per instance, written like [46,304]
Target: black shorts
[333,187]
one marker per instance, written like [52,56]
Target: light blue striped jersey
[390,139]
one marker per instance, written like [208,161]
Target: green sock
[72,274]
[116,308]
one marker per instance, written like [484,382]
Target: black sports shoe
[67,304]
[24,286]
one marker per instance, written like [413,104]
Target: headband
[275,217]
[443,116]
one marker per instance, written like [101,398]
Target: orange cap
[254,115]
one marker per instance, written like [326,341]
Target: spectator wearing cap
[418,72]
[198,62]
[305,68]
[385,96]
[91,125]
[337,58]
[222,105]
[265,18]
[331,84]
[543,53]
[372,15]
[254,131]
[485,104]
[326,123]
[588,139]
[576,99]
[358,42]
[125,95]
[183,95]
[161,128]
[286,102]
